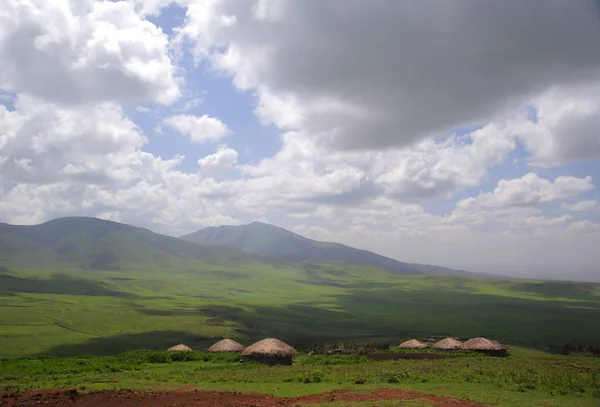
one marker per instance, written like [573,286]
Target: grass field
[525,378]
[107,312]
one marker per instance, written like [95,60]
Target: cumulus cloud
[200,129]
[584,227]
[431,169]
[223,159]
[379,73]
[84,51]
[581,206]
[529,190]
[306,170]
[159,197]
[566,127]
[44,143]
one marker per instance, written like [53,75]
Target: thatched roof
[413,344]
[270,347]
[226,345]
[180,348]
[448,343]
[482,344]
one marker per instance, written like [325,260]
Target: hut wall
[269,360]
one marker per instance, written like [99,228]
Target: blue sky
[334,130]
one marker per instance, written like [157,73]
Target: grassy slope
[520,380]
[105,312]
[94,244]
[278,243]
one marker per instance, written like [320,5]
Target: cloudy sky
[463,134]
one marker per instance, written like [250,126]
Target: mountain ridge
[96,244]
[281,244]
[89,243]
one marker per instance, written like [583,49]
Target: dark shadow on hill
[558,289]
[398,314]
[381,314]
[59,284]
[111,345]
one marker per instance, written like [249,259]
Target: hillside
[278,243]
[94,244]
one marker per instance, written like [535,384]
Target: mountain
[95,244]
[278,243]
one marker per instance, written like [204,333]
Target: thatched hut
[179,348]
[487,346]
[270,351]
[447,344]
[413,344]
[226,345]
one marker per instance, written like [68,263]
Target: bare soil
[200,398]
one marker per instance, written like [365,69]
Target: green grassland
[98,312]
[523,379]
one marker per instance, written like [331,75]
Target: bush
[315,376]
[394,377]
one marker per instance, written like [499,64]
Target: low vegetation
[520,379]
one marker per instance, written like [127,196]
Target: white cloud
[315,232]
[584,227]
[441,169]
[380,73]
[84,51]
[529,190]
[153,7]
[224,158]
[541,226]
[581,206]
[306,170]
[566,129]
[43,143]
[200,129]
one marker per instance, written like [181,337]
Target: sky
[462,134]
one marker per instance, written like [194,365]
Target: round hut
[179,348]
[487,346]
[413,344]
[447,344]
[270,351]
[226,345]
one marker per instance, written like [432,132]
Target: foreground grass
[516,380]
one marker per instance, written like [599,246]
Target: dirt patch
[385,395]
[398,356]
[197,398]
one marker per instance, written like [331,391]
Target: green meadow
[92,312]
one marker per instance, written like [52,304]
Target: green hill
[278,243]
[94,244]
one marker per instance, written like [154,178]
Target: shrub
[315,376]
[394,377]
